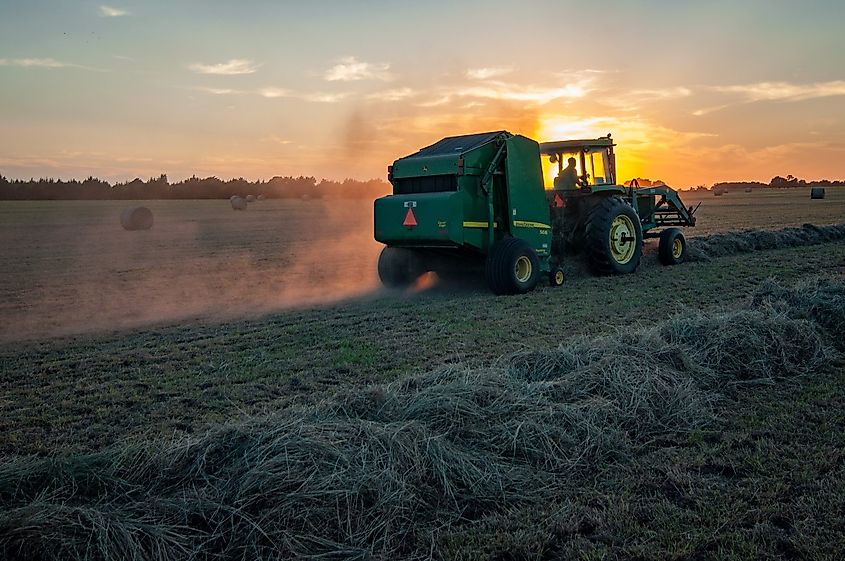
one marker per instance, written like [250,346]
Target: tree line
[777,182]
[276,188]
[192,188]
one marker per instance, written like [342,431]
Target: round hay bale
[259,198]
[817,193]
[748,189]
[233,197]
[717,193]
[250,198]
[136,218]
[238,203]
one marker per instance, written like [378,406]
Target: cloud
[278,93]
[275,139]
[659,94]
[34,63]
[785,91]
[350,69]
[233,67]
[392,95]
[220,91]
[632,100]
[109,12]
[487,73]
[774,91]
[706,110]
[568,85]
[515,92]
[272,93]
[44,63]
[325,97]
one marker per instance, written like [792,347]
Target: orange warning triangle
[410,219]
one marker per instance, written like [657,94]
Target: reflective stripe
[517,223]
[528,224]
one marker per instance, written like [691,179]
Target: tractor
[480,201]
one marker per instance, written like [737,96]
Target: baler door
[424,219]
[528,208]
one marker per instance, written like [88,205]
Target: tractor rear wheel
[613,237]
[673,246]
[512,267]
[398,267]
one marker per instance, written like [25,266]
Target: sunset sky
[694,93]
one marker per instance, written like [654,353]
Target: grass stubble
[433,465]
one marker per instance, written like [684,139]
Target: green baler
[462,199]
[479,200]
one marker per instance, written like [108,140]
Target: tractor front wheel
[512,267]
[398,267]
[613,237]
[673,246]
[557,277]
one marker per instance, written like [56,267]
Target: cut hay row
[383,472]
[705,248]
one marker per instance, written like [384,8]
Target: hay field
[67,267]
[688,412]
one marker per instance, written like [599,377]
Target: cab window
[595,167]
[551,169]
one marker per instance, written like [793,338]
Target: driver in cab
[568,177]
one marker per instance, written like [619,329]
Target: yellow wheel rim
[623,239]
[523,269]
[677,248]
[559,278]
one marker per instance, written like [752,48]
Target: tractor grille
[425,184]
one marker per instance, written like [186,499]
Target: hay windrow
[705,248]
[383,471]
[821,301]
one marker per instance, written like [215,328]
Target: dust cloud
[69,268]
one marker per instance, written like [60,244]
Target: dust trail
[68,267]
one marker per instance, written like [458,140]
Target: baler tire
[557,277]
[502,269]
[398,267]
[600,221]
[672,249]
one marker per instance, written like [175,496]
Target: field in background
[67,267]
[775,208]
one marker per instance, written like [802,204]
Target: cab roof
[575,145]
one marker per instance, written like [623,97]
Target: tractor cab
[593,161]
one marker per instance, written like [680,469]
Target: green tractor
[479,200]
